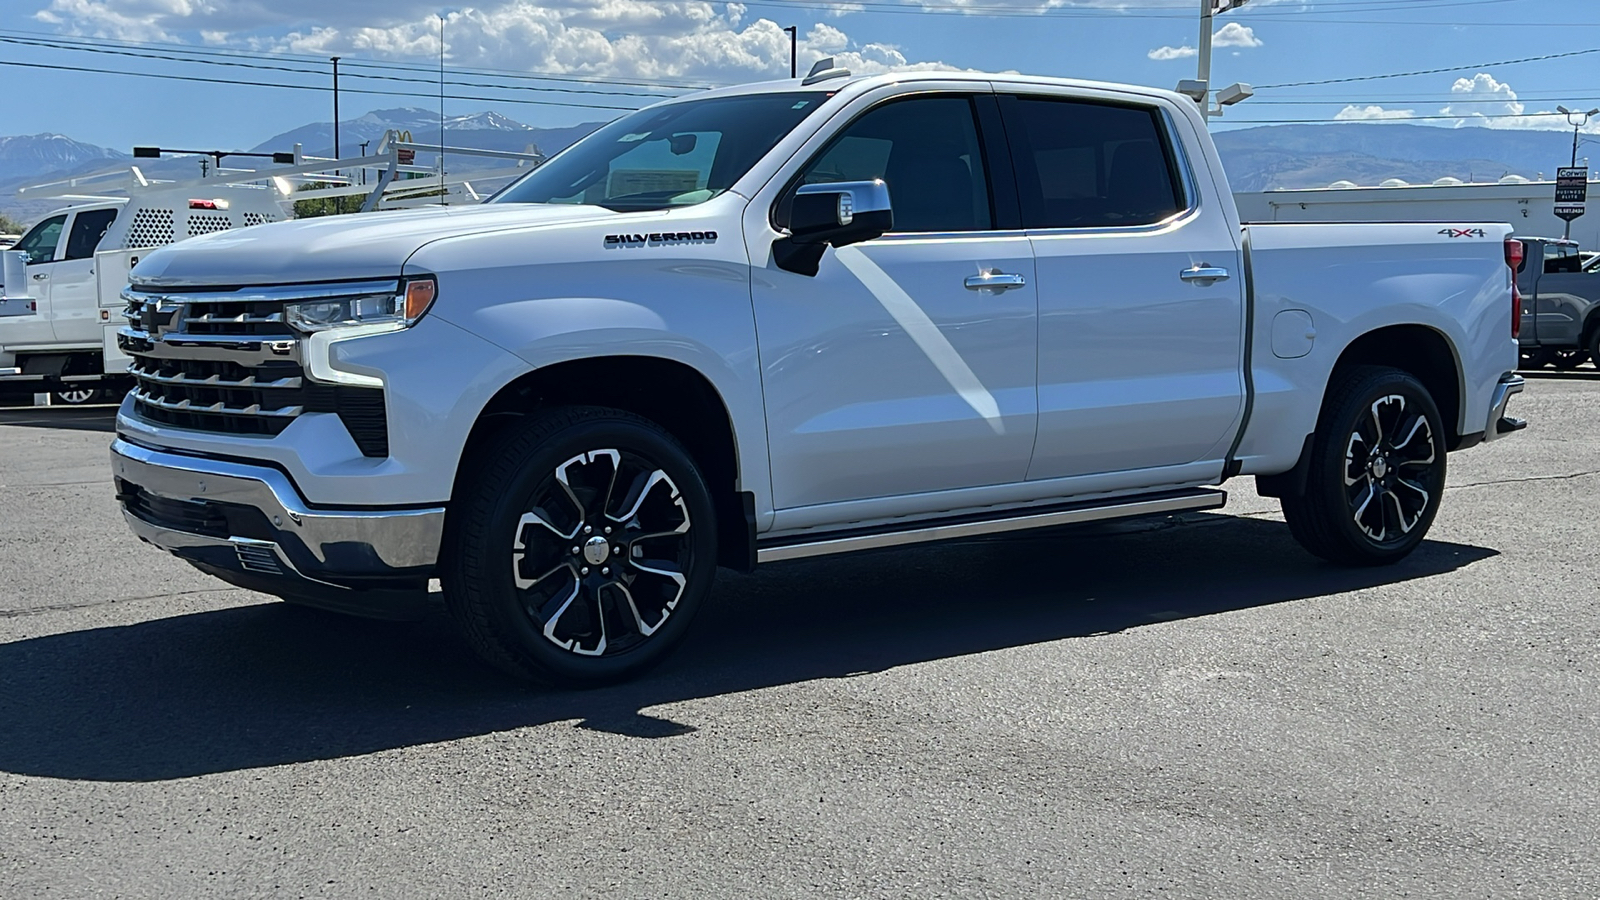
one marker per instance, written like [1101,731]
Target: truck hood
[334,248]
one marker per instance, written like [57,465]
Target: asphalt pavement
[1185,707]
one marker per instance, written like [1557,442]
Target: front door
[894,370]
[40,243]
[1140,359]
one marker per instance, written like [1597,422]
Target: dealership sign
[1572,190]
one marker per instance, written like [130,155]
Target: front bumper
[248,525]
[1499,424]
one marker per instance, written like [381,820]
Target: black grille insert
[179,515]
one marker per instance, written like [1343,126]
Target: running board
[825,544]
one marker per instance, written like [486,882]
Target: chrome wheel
[601,557]
[1389,469]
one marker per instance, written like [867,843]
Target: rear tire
[580,548]
[1376,472]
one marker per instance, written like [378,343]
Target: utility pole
[1209,9]
[335,106]
[794,44]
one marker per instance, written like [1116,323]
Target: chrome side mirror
[839,214]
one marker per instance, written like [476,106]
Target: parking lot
[1191,706]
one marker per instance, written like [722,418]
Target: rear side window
[87,230]
[1090,165]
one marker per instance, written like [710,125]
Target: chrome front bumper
[249,526]
[1499,424]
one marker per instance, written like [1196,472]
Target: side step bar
[824,544]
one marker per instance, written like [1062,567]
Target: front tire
[581,549]
[1376,473]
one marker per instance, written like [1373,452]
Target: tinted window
[40,241]
[1088,164]
[87,230]
[1561,258]
[666,156]
[926,150]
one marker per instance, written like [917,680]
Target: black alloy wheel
[582,550]
[1376,473]
[601,559]
[1389,465]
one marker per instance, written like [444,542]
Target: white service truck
[60,313]
[786,320]
[61,309]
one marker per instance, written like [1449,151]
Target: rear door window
[1081,164]
[88,228]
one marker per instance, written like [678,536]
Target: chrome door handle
[1204,275]
[41,276]
[994,280]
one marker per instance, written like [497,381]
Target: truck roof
[861,83]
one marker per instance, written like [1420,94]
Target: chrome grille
[227,361]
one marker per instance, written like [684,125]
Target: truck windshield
[666,156]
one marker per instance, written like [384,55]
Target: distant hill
[482,130]
[1302,156]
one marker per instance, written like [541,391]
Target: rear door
[74,293]
[1141,316]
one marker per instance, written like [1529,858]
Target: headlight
[402,308]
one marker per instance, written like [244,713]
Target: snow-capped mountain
[33,155]
[485,130]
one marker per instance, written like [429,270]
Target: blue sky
[662,46]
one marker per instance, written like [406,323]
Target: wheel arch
[1420,350]
[672,394]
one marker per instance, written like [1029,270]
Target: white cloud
[1230,35]
[1165,53]
[1485,100]
[679,39]
[1235,35]
[1355,113]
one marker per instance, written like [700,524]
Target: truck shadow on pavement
[271,684]
[66,418]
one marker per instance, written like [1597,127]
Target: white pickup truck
[790,319]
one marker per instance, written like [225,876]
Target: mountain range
[1259,158]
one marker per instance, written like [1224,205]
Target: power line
[1470,117]
[358,61]
[1505,62]
[322,72]
[308,87]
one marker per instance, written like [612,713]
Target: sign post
[1572,191]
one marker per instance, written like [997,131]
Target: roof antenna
[824,70]
[443,201]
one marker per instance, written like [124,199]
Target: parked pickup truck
[1560,305]
[784,320]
